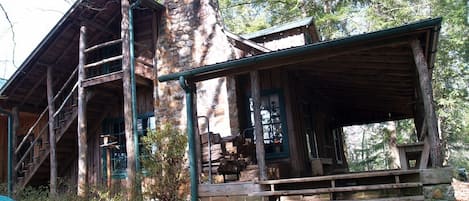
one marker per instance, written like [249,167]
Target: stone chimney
[192,36]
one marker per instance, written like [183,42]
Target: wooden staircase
[37,171]
[33,163]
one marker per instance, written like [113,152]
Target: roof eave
[436,22]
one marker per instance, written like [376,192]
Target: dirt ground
[461,190]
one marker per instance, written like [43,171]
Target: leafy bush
[163,163]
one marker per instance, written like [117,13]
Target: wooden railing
[96,65]
[42,135]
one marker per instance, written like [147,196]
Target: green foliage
[41,193]
[164,163]
[101,193]
[3,189]
[370,152]
[33,194]
[373,149]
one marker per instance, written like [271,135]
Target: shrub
[163,162]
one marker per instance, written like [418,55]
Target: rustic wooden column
[256,100]
[82,124]
[128,111]
[52,141]
[427,97]
[156,96]
[15,129]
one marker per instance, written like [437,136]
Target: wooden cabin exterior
[77,88]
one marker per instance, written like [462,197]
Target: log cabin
[264,112]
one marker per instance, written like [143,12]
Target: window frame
[106,124]
[283,121]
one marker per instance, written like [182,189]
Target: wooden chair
[418,152]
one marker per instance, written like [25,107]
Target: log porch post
[256,99]
[427,97]
[15,129]
[82,124]
[52,141]
[128,110]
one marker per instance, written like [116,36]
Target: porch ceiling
[364,86]
[367,78]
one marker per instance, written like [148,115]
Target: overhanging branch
[12,33]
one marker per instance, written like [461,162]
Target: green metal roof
[233,65]
[279,28]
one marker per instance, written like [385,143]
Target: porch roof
[371,76]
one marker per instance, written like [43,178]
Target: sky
[32,20]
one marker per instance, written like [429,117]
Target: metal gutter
[191,138]
[10,152]
[234,64]
[134,89]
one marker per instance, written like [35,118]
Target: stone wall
[192,36]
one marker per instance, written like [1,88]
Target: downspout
[10,152]
[132,81]
[191,138]
[134,89]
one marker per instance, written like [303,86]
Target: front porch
[292,105]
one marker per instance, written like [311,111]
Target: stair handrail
[30,131]
[44,128]
[41,132]
[30,148]
[65,100]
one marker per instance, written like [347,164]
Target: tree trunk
[15,129]
[82,124]
[427,97]
[392,144]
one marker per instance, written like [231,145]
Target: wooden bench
[418,152]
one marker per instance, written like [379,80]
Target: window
[310,134]
[273,124]
[115,127]
[312,143]
[336,133]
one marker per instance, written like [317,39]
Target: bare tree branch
[252,2]
[12,34]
